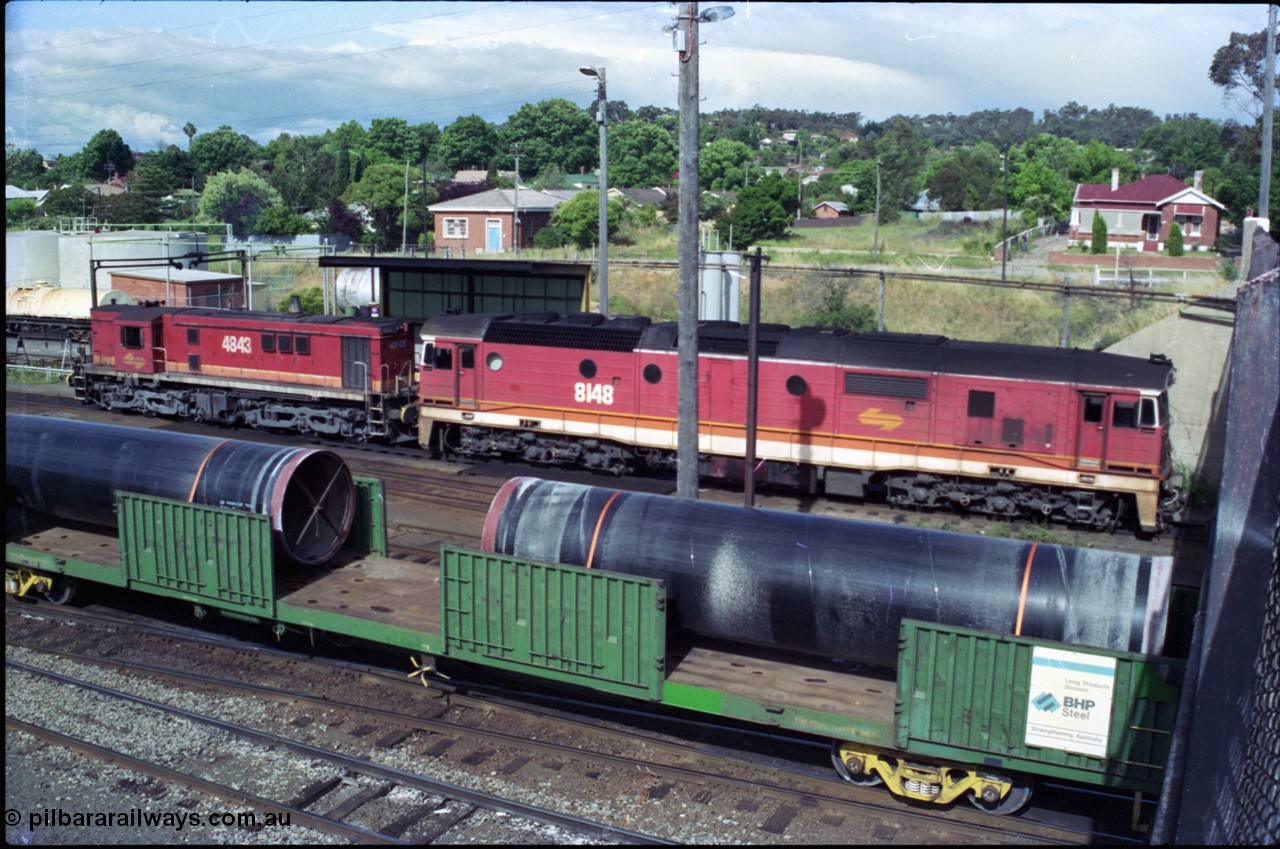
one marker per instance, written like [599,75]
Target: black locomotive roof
[135,312]
[876,351]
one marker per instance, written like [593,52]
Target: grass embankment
[809,261]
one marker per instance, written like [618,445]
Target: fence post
[880,317]
[1066,309]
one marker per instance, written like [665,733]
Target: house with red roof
[1139,215]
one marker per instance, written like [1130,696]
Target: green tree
[1239,69]
[223,150]
[1183,144]
[310,299]
[426,137]
[469,142]
[1040,192]
[236,198]
[393,138]
[127,208]
[764,210]
[301,171]
[1095,161]
[966,178]
[382,192]
[641,155]
[72,200]
[161,173]
[190,132]
[1174,245]
[105,155]
[902,154]
[722,165]
[551,132]
[578,219]
[22,168]
[282,221]
[18,212]
[1098,239]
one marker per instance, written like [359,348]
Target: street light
[684,38]
[598,73]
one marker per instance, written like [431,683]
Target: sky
[146,69]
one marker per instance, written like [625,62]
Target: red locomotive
[1005,430]
[341,376]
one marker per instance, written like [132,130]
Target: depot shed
[181,287]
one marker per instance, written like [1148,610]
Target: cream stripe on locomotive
[1037,468]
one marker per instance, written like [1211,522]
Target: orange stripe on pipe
[1026,579]
[591,555]
[191,496]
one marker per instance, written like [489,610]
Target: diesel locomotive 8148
[1000,429]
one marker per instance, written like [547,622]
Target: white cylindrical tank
[76,250]
[30,256]
[720,282]
[48,302]
[356,287]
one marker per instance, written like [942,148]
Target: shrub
[1175,240]
[1098,243]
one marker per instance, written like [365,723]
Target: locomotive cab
[134,344]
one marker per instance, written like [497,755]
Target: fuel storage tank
[73,469]
[829,586]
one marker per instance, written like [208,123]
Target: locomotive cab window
[1124,414]
[131,337]
[428,356]
[193,336]
[1093,405]
[269,343]
[284,344]
[302,345]
[1149,416]
[467,356]
[443,358]
[982,405]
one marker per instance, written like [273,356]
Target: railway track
[649,778]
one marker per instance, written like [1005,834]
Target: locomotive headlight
[493,361]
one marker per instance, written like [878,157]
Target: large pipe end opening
[313,507]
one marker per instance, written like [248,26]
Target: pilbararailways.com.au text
[138,818]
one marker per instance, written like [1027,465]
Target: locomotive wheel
[862,778]
[64,589]
[1011,803]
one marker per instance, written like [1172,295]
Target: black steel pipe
[831,586]
[73,469]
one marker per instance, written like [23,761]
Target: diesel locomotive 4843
[921,421]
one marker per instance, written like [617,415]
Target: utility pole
[404,215]
[875,240]
[515,204]
[1268,116]
[685,42]
[687,303]
[753,380]
[1004,230]
[601,116]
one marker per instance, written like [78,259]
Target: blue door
[493,240]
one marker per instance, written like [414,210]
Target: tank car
[343,376]
[1005,430]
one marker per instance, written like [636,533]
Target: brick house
[1139,215]
[831,209]
[484,223]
